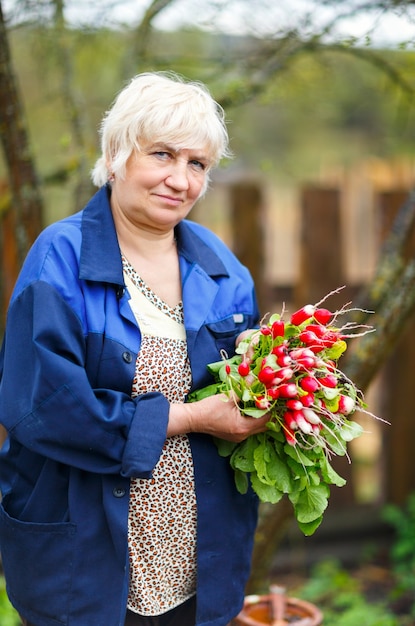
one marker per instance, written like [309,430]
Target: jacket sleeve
[48,404]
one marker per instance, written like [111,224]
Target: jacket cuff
[146,436]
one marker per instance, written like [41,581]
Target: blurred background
[319,98]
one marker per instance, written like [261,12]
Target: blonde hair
[159,107]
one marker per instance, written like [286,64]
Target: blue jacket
[76,436]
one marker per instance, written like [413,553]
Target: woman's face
[161,185]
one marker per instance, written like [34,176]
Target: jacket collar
[100,252]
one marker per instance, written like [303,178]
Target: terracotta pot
[277,610]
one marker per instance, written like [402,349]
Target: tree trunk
[24,215]
[25,194]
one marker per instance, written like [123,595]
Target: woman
[117,508]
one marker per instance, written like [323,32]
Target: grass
[341,596]
[8,616]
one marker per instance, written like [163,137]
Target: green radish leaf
[351,430]
[246,395]
[332,404]
[243,456]
[266,493]
[214,368]
[329,393]
[199,394]
[254,412]
[336,350]
[314,478]
[264,456]
[270,468]
[297,470]
[290,330]
[276,428]
[298,455]
[241,481]
[329,474]
[311,503]
[310,527]
[225,448]
[335,443]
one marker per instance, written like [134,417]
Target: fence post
[321,246]
[247,227]
[321,271]
[398,375]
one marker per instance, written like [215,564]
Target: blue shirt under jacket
[76,436]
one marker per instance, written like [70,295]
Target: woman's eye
[198,165]
[162,154]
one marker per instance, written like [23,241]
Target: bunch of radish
[288,370]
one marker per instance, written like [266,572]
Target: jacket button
[118,492]
[127,356]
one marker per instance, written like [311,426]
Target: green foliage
[8,616]
[328,104]
[339,597]
[403,549]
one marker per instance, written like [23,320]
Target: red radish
[346,405]
[298,353]
[311,416]
[306,362]
[323,316]
[243,368]
[283,360]
[266,375]
[285,373]
[317,347]
[273,392]
[307,400]
[278,328]
[309,383]
[303,314]
[294,405]
[290,436]
[227,368]
[303,424]
[265,330]
[289,420]
[279,350]
[329,338]
[261,402]
[308,337]
[328,381]
[317,329]
[288,390]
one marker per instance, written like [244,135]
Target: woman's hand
[252,334]
[217,415]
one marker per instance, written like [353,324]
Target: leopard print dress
[162,514]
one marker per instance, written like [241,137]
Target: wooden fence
[298,252]
[384,459]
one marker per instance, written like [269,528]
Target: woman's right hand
[216,415]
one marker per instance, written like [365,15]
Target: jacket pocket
[37,562]
[226,331]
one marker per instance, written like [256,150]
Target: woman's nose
[178,177]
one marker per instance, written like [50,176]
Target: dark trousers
[182,615]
